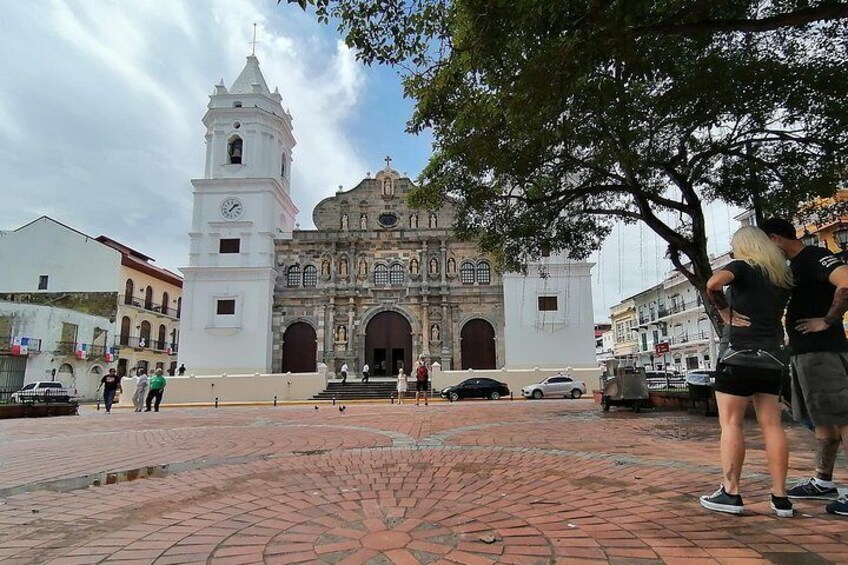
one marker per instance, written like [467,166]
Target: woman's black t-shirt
[752,294]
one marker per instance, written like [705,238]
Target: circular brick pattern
[386,540]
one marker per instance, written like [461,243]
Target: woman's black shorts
[748,381]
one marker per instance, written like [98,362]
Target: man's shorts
[747,381]
[820,387]
[420,386]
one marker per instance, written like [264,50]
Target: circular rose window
[388,220]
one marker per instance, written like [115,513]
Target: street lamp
[809,238]
[841,237]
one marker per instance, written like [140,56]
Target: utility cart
[624,386]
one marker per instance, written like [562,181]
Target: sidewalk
[483,482]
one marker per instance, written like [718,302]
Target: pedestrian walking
[181,371]
[344,373]
[401,386]
[111,384]
[157,390]
[422,378]
[819,356]
[751,364]
[366,372]
[140,395]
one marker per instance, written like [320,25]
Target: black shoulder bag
[753,358]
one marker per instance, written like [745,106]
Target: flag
[16,346]
[110,355]
[169,350]
[82,350]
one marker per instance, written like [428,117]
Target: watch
[232,208]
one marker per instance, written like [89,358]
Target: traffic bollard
[275,400]
[334,400]
[510,395]
[216,402]
[98,405]
[391,398]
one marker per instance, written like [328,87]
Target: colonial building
[375,282]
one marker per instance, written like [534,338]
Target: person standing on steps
[157,390]
[140,394]
[366,370]
[819,355]
[401,386]
[344,371]
[422,378]
[111,384]
[751,366]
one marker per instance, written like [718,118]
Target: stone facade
[372,253]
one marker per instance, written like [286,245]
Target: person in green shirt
[157,389]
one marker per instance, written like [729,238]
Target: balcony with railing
[138,342]
[688,338]
[69,348]
[32,345]
[680,307]
[142,304]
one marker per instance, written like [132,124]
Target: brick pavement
[507,482]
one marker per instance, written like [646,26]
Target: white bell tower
[241,206]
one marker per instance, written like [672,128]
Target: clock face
[232,209]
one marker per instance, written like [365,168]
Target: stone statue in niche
[345,222]
[363,222]
[452,266]
[343,268]
[325,269]
[434,220]
[434,266]
[363,268]
[413,266]
[435,334]
[341,334]
[413,221]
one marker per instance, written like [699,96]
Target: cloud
[100,118]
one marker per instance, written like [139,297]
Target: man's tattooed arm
[838,307]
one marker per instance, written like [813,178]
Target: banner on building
[82,351]
[20,346]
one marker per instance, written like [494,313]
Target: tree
[554,120]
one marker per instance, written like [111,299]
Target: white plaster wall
[45,323]
[556,339]
[235,388]
[212,344]
[48,248]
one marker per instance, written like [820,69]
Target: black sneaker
[782,506]
[840,507]
[810,489]
[720,501]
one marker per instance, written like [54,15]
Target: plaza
[471,482]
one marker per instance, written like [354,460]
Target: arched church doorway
[478,345]
[388,344]
[300,349]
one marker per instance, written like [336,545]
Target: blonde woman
[401,385]
[759,281]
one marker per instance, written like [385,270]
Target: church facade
[375,282]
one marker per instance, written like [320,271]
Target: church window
[547,304]
[234,151]
[226,307]
[129,289]
[42,282]
[381,275]
[293,276]
[484,272]
[396,275]
[387,220]
[310,275]
[237,104]
[466,273]
[283,165]
[229,246]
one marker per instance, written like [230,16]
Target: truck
[43,391]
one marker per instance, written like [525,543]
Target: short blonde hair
[752,245]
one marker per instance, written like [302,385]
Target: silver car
[556,385]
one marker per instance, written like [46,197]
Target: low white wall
[235,388]
[515,379]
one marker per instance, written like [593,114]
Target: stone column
[444,266]
[351,311]
[425,324]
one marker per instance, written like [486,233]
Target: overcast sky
[100,109]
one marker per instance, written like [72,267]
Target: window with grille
[396,275]
[466,273]
[484,272]
[381,274]
[547,304]
[293,276]
[310,276]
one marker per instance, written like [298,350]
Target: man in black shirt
[819,351]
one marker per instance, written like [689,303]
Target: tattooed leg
[826,452]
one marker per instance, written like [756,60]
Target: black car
[476,388]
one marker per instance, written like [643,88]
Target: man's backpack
[421,373]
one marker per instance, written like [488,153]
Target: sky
[100,121]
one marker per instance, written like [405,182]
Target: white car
[556,385]
[43,391]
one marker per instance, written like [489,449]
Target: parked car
[43,391]
[556,385]
[480,387]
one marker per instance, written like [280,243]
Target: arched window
[381,275]
[310,275]
[179,305]
[166,303]
[148,298]
[144,335]
[484,272]
[466,273]
[293,276]
[396,275]
[237,104]
[234,150]
[129,289]
[160,343]
[283,165]
[124,338]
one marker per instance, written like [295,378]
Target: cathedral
[375,282]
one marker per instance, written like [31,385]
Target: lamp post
[841,237]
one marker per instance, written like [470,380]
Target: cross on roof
[388,162]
